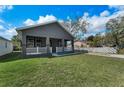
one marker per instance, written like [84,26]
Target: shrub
[121,51]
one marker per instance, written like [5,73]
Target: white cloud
[7,30]
[9,7]
[105,13]
[116,14]
[11,31]
[29,22]
[1,21]
[1,27]
[8,33]
[117,7]
[68,18]
[98,23]
[5,7]
[47,18]
[88,34]
[2,7]
[86,14]
[61,21]
[41,19]
[103,34]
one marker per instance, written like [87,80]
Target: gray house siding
[51,30]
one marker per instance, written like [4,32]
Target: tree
[112,27]
[16,42]
[95,41]
[98,40]
[109,40]
[90,38]
[77,27]
[115,28]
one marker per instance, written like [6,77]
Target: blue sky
[12,17]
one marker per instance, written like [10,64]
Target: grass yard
[74,70]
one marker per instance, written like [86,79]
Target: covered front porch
[47,45]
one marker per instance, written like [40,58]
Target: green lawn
[74,70]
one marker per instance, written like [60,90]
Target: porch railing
[59,49]
[43,50]
[67,48]
[36,50]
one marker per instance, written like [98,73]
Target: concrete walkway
[108,55]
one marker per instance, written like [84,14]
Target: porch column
[48,44]
[72,44]
[63,45]
[23,44]
[23,49]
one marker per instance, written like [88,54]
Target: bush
[16,48]
[121,51]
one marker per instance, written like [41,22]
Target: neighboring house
[79,44]
[45,38]
[5,46]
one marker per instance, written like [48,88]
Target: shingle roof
[41,24]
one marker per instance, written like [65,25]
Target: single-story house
[80,43]
[45,38]
[6,46]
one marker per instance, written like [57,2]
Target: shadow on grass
[18,56]
[11,57]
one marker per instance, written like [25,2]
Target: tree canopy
[16,42]
[115,29]
[77,27]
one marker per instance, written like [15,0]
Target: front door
[53,45]
[53,49]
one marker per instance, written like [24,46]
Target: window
[40,42]
[59,43]
[5,44]
[30,41]
[55,42]
[35,41]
